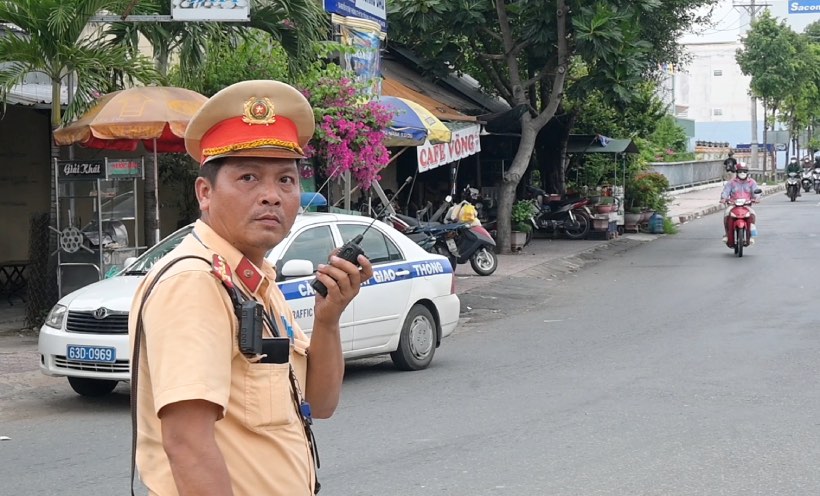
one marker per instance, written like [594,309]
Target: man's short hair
[210,170]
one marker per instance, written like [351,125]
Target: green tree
[55,40]
[773,55]
[525,50]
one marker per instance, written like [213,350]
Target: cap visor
[268,152]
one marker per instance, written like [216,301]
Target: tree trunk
[551,147]
[510,182]
[765,136]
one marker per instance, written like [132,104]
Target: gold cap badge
[259,111]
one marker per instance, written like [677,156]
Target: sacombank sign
[804,7]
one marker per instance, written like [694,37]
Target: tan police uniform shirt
[190,352]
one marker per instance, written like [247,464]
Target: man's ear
[203,190]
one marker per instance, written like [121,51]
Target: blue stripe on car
[383,274]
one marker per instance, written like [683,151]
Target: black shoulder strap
[135,357]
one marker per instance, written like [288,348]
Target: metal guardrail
[693,173]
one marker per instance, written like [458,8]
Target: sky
[729,23]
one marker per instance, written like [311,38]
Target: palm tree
[295,24]
[55,40]
[52,37]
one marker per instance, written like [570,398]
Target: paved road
[669,369]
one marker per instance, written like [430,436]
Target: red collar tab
[221,270]
[249,275]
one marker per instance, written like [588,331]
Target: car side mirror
[758,191]
[297,268]
[129,261]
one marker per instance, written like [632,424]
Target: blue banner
[373,10]
[804,7]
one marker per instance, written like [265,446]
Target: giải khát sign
[74,170]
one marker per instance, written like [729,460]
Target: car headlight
[56,317]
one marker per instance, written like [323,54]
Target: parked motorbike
[459,242]
[816,180]
[572,217]
[740,229]
[792,186]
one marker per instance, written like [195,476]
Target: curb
[683,218]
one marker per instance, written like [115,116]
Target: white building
[712,91]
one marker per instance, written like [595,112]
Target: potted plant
[522,212]
[606,204]
[645,196]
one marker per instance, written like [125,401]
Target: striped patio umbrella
[413,124]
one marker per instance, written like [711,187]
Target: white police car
[405,309]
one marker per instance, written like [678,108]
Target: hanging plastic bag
[468,213]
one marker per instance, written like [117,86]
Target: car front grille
[109,368]
[113,323]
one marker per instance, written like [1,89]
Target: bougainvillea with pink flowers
[349,130]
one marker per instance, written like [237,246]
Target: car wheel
[417,343]
[91,387]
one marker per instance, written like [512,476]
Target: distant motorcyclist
[742,186]
[729,167]
[794,166]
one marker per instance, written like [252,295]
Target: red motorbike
[740,225]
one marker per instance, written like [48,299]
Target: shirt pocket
[268,400]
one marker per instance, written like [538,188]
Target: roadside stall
[97,200]
[608,216]
[97,223]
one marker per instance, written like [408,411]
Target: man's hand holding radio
[343,280]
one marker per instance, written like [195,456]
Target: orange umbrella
[155,116]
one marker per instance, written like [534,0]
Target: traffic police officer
[212,419]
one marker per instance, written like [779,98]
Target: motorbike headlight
[56,316]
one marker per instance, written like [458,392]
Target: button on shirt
[190,352]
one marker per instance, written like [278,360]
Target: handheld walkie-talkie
[350,251]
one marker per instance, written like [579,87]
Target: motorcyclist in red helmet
[742,186]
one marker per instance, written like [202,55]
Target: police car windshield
[143,264]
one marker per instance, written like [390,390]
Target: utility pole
[752,9]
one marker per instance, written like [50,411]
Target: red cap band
[234,134]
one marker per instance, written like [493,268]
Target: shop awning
[591,143]
[392,87]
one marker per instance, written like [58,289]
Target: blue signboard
[804,7]
[746,147]
[373,10]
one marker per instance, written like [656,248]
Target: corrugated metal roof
[34,94]
[36,87]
